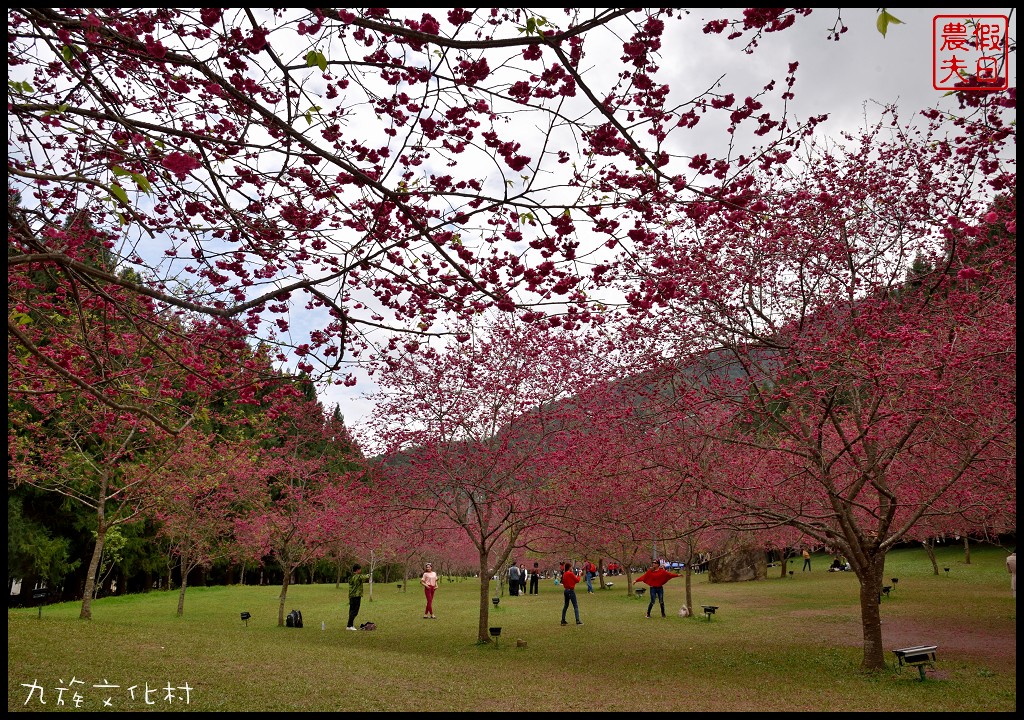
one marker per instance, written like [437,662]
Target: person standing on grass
[807,560]
[429,583]
[523,578]
[535,579]
[513,580]
[355,595]
[656,577]
[591,572]
[569,580]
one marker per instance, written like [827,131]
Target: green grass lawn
[788,644]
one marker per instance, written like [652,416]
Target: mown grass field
[790,644]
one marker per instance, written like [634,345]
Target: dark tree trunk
[284,597]
[90,575]
[929,548]
[483,634]
[184,585]
[870,603]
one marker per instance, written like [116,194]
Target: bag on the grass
[369,625]
[294,619]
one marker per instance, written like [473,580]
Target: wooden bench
[919,656]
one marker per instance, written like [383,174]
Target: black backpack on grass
[294,619]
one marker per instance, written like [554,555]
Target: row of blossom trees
[195,431]
[697,341]
[865,420]
[846,371]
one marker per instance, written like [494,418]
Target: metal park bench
[919,656]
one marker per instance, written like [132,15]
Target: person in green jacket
[355,594]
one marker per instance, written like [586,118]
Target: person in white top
[429,583]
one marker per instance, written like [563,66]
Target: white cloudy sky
[843,79]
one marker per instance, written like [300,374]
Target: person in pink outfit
[656,577]
[429,583]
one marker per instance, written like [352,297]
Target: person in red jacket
[590,572]
[656,577]
[569,580]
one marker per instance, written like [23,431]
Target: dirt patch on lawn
[998,650]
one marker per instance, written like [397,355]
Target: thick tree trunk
[967,550]
[483,634]
[184,584]
[871,618]
[929,548]
[90,575]
[181,594]
[284,598]
[783,564]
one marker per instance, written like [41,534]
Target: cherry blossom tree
[477,433]
[867,397]
[311,492]
[79,334]
[96,393]
[606,494]
[983,508]
[90,456]
[106,456]
[372,169]
[198,494]
[394,538]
